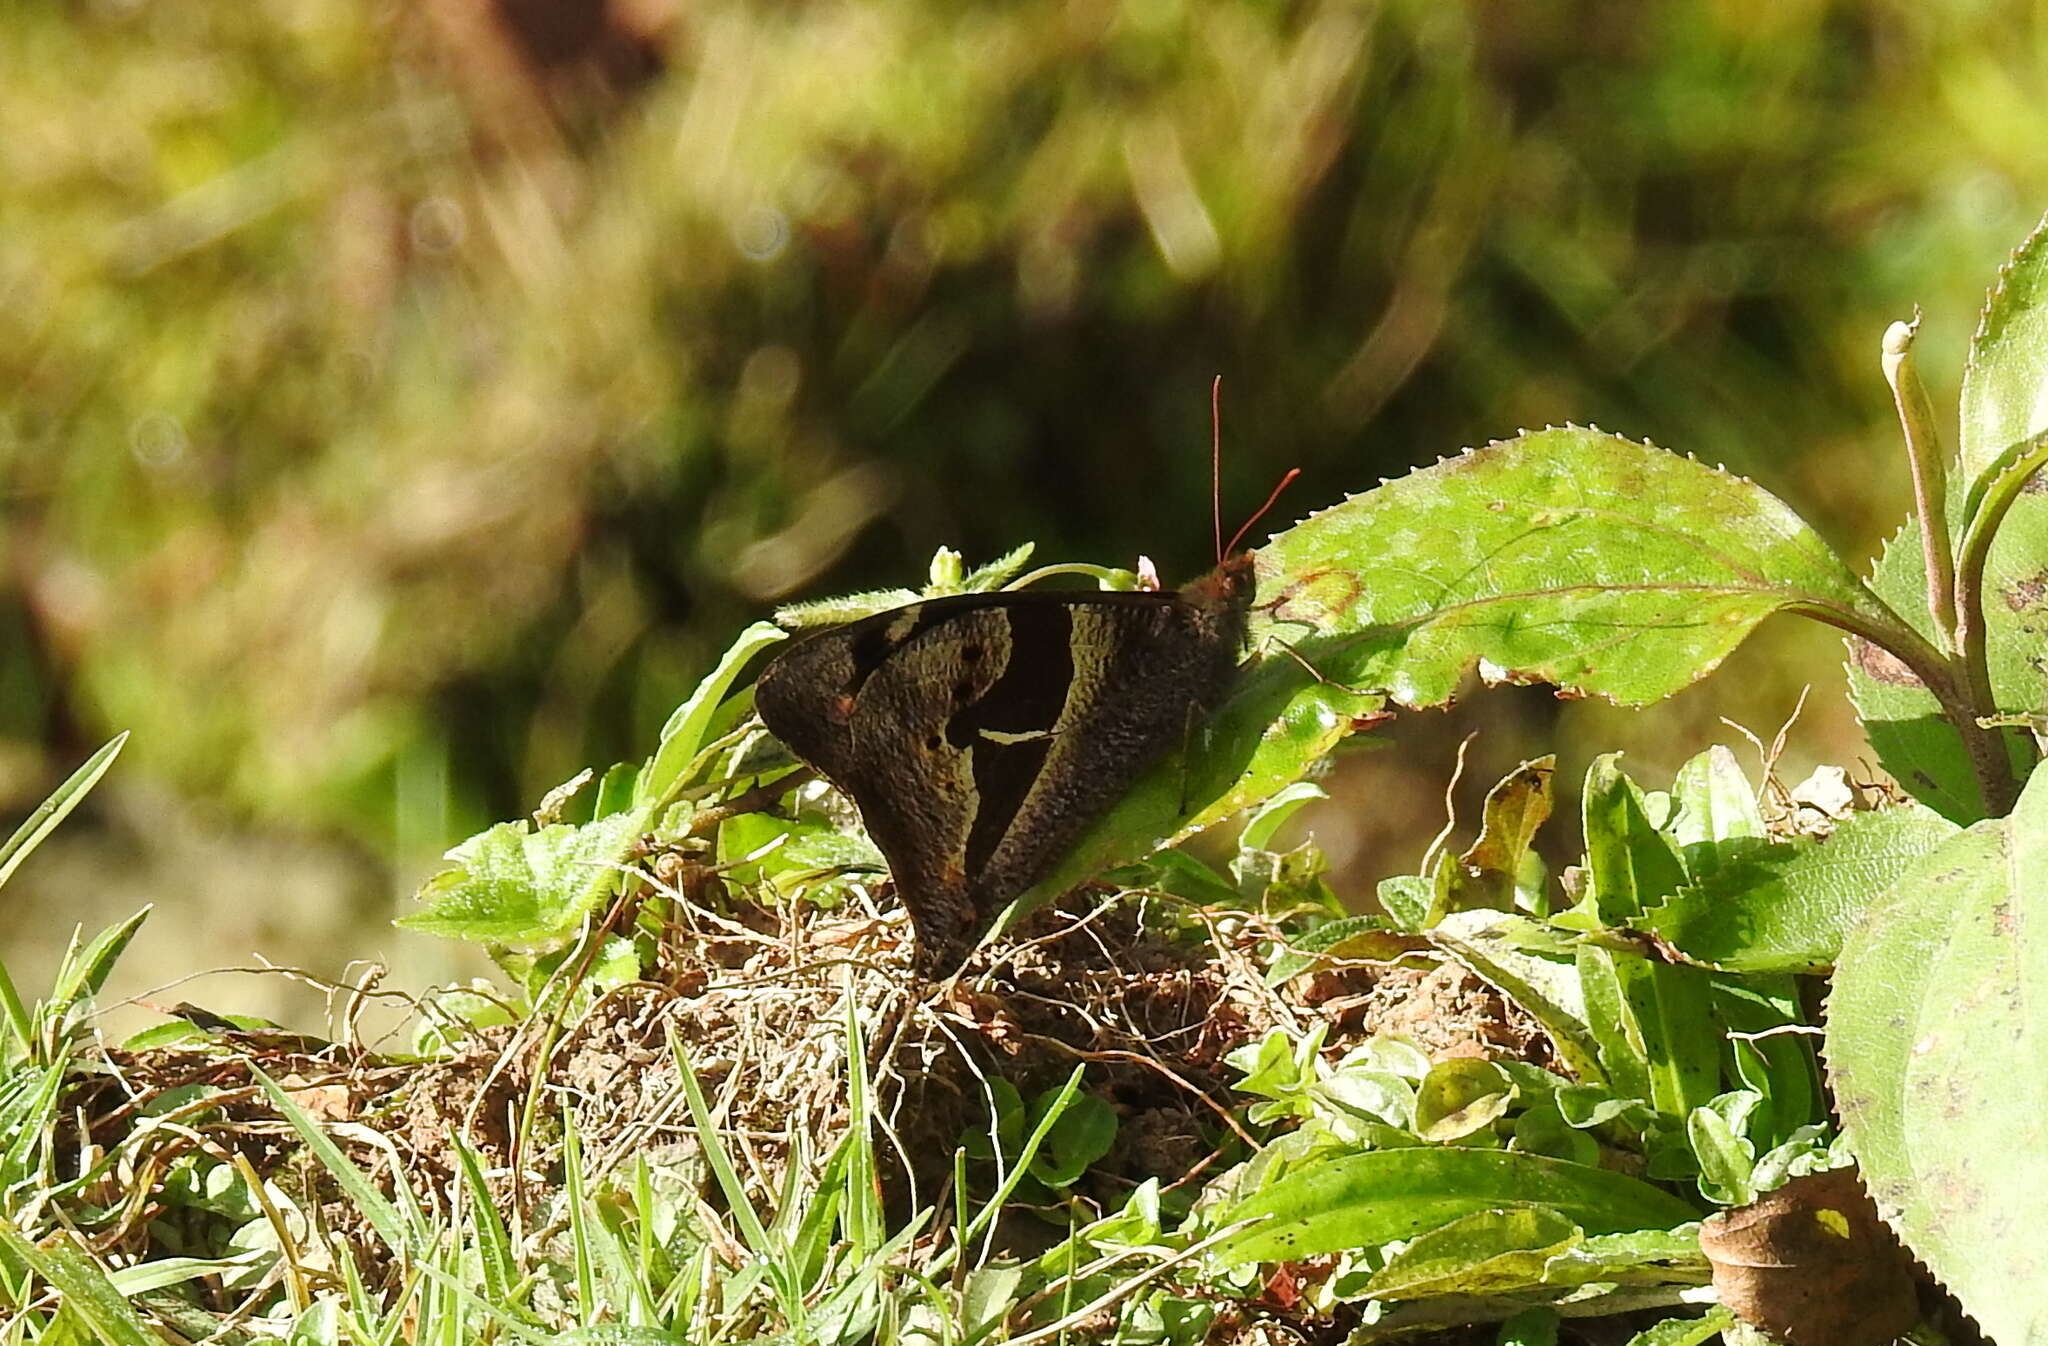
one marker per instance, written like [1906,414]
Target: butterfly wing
[981,735]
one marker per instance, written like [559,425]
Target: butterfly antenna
[1216,461]
[1285,482]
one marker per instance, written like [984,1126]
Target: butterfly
[980,735]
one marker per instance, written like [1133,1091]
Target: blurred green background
[405,403]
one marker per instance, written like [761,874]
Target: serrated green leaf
[1487,1252]
[514,884]
[1939,1058]
[2004,404]
[1565,556]
[1914,741]
[1787,908]
[1368,1200]
[2005,379]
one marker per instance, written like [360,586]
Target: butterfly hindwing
[981,735]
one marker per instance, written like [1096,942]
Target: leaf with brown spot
[1565,556]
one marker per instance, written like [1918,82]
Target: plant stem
[1923,449]
[1941,676]
[1973,660]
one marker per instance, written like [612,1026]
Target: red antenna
[1216,477]
[1216,461]
[1285,482]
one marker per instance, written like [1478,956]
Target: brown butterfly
[980,735]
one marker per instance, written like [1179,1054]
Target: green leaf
[513,884]
[84,971]
[1726,1157]
[1516,809]
[1459,1097]
[1787,908]
[685,734]
[1655,1027]
[57,807]
[1938,1053]
[1487,1252]
[1638,1257]
[1271,816]
[1276,723]
[1083,1134]
[2005,379]
[22,844]
[1409,900]
[1543,1130]
[1687,1331]
[401,1228]
[1914,741]
[1715,806]
[1546,985]
[1348,937]
[1368,1200]
[1778,1065]
[1565,556]
[1624,1058]
[1630,863]
[999,571]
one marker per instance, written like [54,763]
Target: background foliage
[405,403]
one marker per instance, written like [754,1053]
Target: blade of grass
[493,1243]
[402,1232]
[26,838]
[587,1304]
[84,1284]
[774,1260]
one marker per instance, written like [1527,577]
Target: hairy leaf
[1564,555]
[513,884]
[1787,908]
[1938,1054]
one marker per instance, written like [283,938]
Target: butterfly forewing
[981,735]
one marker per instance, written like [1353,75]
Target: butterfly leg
[1318,674]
